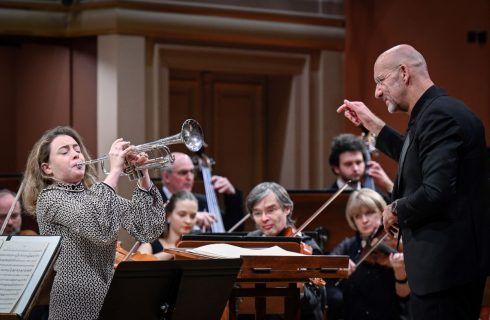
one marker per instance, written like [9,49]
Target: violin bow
[373,247]
[239,223]
[7,218]
[135,247]
[320,210]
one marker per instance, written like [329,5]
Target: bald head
[401,77]
[403,54]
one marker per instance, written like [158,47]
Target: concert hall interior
[263,78]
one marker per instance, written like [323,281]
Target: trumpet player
[68,202]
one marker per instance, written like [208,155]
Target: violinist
[271,208]
[377,288]
[348,155]
[181,212]
[180,176]
[88,215]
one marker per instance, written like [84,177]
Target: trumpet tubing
[191,135]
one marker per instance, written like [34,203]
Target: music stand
[170,290]
[193,241]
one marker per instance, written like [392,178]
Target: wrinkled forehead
[383,64]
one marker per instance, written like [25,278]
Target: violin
[124,255]
[27,232]
[305,249]
[378,247]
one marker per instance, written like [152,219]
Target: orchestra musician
[181,211]
[348,161]
[68,202]
[271,208]
[440,191]
[180,176]
[377,288]
[14,224]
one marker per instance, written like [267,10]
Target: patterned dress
[88,221]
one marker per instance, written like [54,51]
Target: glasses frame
[379,80]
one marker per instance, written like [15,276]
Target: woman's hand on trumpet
[117,158]
[139,159]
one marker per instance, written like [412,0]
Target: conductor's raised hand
[358,114]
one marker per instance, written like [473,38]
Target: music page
[227,251]
[18,261]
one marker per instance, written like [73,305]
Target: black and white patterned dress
[88,221]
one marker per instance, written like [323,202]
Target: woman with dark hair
[181,212]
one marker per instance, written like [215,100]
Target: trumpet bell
[192,135]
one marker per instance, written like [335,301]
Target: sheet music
[228,251]
[18,261]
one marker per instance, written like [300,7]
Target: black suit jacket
[440,186]
[233,207]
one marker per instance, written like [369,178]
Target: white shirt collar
[167,192]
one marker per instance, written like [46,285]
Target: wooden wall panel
[230,110]
[238,132]
[84,91]
[7,108]
[37,90]
[459,67]
[42,94]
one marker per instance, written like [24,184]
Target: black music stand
[170,290]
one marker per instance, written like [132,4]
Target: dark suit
[440,184]
[233,207]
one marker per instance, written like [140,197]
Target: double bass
[205,164]
[369,140]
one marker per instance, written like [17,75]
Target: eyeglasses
[185,172]
[380,79]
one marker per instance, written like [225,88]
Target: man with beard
[440,190]
[348,162]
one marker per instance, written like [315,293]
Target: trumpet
[191,135]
